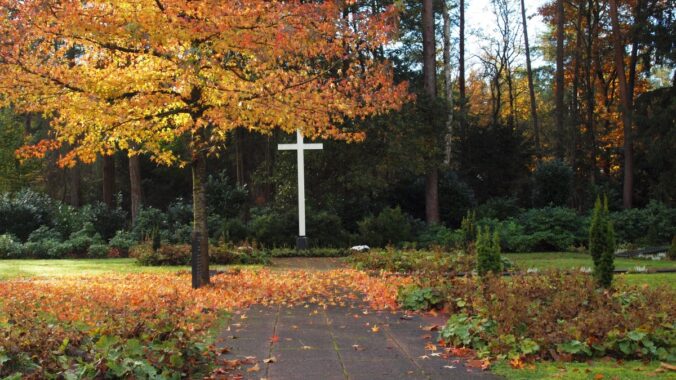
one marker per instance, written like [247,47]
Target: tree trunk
[625,108]
[560,114]
[75,186]
[461,70]
[429,83]
[448,83]
[589,83]
[531,86]
[575,99]
[135,186]
[199,202]
[109,181]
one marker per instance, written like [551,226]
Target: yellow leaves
[252,66]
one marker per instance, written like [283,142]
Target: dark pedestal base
[302,243]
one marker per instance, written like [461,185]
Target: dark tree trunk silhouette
[200,231]
[531,86]
[429,83]
[625,108]
[461,69]
[109,181]
[448,84]
[136,190]
[560,113]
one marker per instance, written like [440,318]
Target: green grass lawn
[609,369]
[33,268]
[573,260]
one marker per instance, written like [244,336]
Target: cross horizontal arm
[313,146]
[287,147]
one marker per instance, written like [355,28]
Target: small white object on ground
[360,248]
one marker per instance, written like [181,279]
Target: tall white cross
[301,147]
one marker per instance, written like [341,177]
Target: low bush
[106,220]
[553,229]
[391,226]
[312,252]
[499,208]
[81,240]
[559,316]
[436,235]
[406,261]
[97,251]
[23,212]
[147,222]
[10,247]
[122,242]
[653,225]
[234,231]
[274,228]
[413,297]
[181,254]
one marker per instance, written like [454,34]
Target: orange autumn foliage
[137,75]
[61,320]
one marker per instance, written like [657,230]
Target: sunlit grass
[79,267]
[593,370]
[574,260]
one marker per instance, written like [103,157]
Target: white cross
[300,147]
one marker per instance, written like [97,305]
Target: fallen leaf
[249,360]
[516,363]
[478,363]
[306,348]
[375,328]
[668,366]
[599,376]
[424,357]
[255,368]
[231,364]
[274,339]
[431,328]
[357,347]
[430,346]
[449,366]
[271,359]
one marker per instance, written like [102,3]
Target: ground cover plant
[146,325]
[559,316]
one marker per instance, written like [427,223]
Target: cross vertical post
[300,147]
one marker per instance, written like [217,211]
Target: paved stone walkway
[347,342]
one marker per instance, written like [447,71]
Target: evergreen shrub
[390,226]
[488,252]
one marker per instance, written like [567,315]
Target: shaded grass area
[593,370]
[79,267]
[574,260]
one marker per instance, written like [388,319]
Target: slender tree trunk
[575,98]
[109,181]
[531,86]
[75,186]
[200,230]
[429,82]
[589,83]
[560,114]
[510,90]
[448,83]
[625,108]
[461,68]
[135,186]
